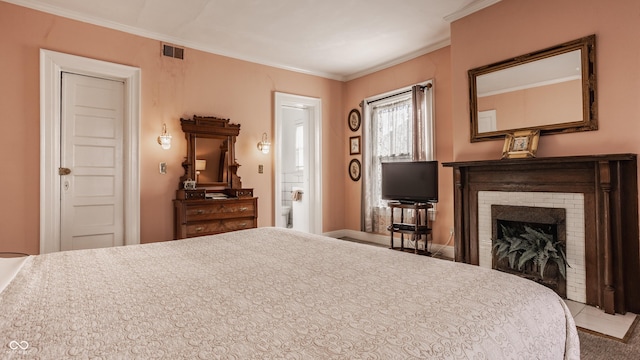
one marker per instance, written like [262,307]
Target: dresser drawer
[239,193]
[219,226]
[197,217]
[220,210]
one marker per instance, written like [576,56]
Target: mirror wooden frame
[216,128]
[589,122]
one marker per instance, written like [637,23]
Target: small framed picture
[354,120]
[354,145]
[354,169]
[189,184]
[521,144]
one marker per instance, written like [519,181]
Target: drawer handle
[199,229]
[200,211]
[243,209]
[243,225]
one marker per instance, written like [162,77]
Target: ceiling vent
[172,51]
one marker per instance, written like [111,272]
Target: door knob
[64,171]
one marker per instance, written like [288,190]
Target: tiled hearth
[595,320]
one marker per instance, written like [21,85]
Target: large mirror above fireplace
[553,90]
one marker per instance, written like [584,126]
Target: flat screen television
[410,182]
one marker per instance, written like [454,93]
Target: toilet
[286,210]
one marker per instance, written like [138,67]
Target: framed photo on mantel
[521,144]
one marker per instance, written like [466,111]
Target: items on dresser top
[215,195]
[184,194]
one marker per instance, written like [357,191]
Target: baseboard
[444,250]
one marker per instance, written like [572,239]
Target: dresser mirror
[553,90]
[210,159]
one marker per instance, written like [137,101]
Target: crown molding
[470,9]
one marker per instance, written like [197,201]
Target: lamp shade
[201,165]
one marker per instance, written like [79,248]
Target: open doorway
[298,163]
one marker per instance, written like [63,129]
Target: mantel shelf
[542,160]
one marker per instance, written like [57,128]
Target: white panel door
[487,121]
[91,137]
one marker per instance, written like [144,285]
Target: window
[391,138]
[397,126]
[299,147]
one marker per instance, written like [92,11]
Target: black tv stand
[416,229]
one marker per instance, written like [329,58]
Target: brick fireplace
[599,194]
[564,210]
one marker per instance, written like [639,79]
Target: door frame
[52,64]
[314,105]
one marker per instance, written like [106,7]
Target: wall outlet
[451,230]
[163,168]
[260,169]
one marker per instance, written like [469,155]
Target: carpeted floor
[595,347]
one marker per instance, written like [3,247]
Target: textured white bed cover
[9,267]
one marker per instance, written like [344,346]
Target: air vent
[172,51]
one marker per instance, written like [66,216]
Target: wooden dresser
[210,198]
[206,217]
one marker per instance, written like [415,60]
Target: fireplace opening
[530,242]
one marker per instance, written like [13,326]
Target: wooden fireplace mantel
[610,187]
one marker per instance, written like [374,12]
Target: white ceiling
[337,39]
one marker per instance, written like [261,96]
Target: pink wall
[436,66]
[511,28]
[202,84]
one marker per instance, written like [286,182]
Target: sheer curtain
[396,127]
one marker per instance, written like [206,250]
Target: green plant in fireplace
[533,246]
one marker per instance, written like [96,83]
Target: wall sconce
[264,145]
[164,139]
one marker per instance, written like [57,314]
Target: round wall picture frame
[355,169]
[354,120]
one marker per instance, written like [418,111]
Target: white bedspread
[9,267]
[274,293]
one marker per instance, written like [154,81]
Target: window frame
[375,213]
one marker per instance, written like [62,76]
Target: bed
[271,293]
